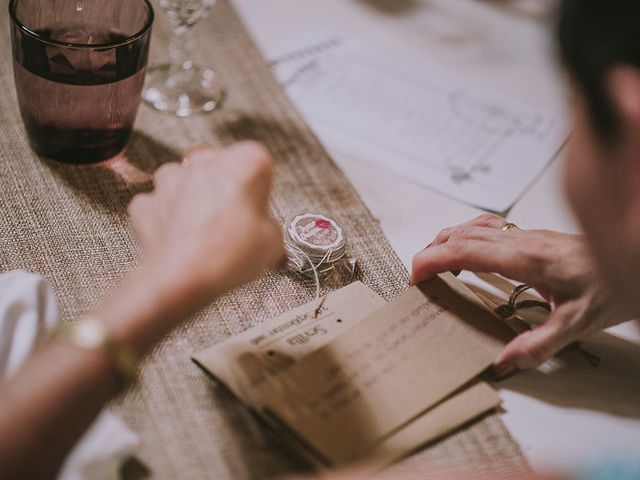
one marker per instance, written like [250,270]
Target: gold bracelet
[91,334]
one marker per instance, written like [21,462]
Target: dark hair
[594,36]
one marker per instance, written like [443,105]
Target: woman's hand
[557,265]
[206,228]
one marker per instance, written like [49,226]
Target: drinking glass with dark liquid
[79,68]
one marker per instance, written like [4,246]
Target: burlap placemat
[70,225]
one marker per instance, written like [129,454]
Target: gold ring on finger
[509,226]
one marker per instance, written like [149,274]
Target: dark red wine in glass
[79,69]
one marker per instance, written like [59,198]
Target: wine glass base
[183,92]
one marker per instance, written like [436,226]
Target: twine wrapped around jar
[315,245]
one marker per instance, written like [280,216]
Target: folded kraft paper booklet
[363,381]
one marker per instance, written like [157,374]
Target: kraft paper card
[260,368]
[242,362]
[449,415]
[386,371]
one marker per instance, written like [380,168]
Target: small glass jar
[317,246]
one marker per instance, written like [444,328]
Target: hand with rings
[557,265]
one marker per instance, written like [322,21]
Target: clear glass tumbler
[79,68]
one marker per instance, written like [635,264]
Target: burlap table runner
[70,225]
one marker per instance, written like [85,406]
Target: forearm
[48,407]
[60,391]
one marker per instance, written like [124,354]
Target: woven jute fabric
[70,224]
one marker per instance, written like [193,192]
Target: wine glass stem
[181,49]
